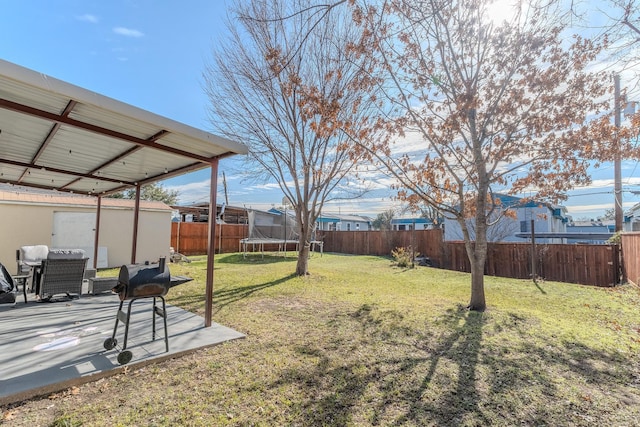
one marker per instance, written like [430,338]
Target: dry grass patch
[363,343]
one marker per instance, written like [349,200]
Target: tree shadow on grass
[254,258]
[536,282]
[225,297]
[336,392]
[461,346]
[459,373]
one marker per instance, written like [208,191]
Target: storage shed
[66,221]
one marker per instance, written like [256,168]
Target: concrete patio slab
[47,347]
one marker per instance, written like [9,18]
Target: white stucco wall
[31,223]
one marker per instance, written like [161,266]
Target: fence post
[220,238]
[534,260]
[619,275]
[178,237]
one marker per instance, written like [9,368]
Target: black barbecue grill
[141,281]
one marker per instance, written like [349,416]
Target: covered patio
[60,137]
[47,347]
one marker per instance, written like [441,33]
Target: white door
[76,230]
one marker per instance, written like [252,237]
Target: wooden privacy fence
[191,238]
[428,242]
[597,265]
[631,256]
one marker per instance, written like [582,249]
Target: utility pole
[617,189]
[224,183]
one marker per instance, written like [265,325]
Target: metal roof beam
[49,137]
[122,155]
[61,171]
[57,118]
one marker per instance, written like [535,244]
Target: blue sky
[151,54]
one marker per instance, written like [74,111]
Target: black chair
[61,277]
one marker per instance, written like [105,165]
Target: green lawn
[360,342]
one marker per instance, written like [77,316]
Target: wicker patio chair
[30,253]
[61,277]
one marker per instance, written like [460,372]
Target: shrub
[616,238]
[404,257]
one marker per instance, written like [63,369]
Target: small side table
[101,284]
[21,279]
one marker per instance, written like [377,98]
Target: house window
[348,226]
[357,227]
[524,227]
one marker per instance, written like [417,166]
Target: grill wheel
[125,357]
[110,343]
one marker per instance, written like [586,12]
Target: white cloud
[87,17]
[128,32]
[193,192]
[594,210]
[370,206]
[608,183]
[267,186]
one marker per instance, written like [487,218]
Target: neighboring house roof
[594,228]
[329,217]
[519,202]
[568,235]
[513,202]
[275,211]
[51,198]
[343,218]
[633,211]
[399,221]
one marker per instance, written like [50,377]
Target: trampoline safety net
[270,226]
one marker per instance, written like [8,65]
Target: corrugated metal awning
[55,135]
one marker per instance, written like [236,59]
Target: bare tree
[383,220]
[488,107]
[284,84]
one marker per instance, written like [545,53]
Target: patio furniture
[21,280]
[62,273]
[101,284]
[89,273]
[28,259]
[30,253]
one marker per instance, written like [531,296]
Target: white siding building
[546,219]
[338,222]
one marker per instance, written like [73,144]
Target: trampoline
[273,229]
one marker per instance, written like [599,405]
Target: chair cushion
[34,252]
[66,254]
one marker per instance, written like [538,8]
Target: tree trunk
[478,258]
[302,267]
[479,252]
[477,302]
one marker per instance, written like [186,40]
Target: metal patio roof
[55,135]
